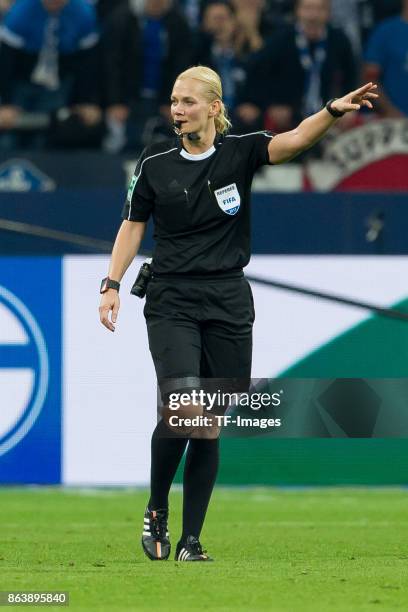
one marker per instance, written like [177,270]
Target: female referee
[199,308]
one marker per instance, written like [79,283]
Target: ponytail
[222,121]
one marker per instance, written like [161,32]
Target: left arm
[286,146]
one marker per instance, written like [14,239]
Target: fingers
[104,317]
[109,302]
[366,99]
[355,107]
[350,107]
[361,97]
[369,96]
[115,311]
[364,89]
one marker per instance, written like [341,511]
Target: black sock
[200,472]
[166,456]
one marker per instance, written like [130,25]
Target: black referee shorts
[199,328]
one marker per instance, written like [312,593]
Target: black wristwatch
[333,111]
[108,283]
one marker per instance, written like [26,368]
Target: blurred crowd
[99,73]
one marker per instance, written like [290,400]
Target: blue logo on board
[24,370]
[20,175]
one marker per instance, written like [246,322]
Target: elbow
[140,228]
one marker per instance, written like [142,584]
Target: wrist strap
[108,283]
[333,111]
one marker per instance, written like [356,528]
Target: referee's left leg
[226,339]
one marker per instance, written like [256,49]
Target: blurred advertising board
[78,403]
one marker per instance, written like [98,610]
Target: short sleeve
[255,148]
[377,46]
[140,196]
[260,149]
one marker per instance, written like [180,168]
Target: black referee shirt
[200,203]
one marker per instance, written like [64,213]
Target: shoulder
[158,152]
[384,29]
[384,36]
[24,7]
[161,148]
[246,139]
[251,148]
[248,146]
[22,11]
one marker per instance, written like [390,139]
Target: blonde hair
[212,91]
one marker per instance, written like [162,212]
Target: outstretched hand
[356,99]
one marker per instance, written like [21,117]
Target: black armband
[108,283]
[333,111]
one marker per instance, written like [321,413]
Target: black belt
[221,275]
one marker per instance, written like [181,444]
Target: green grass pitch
[308,550]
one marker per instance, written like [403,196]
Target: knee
[191,420]
[183,419]
[207,433]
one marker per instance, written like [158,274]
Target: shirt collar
[197,156]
